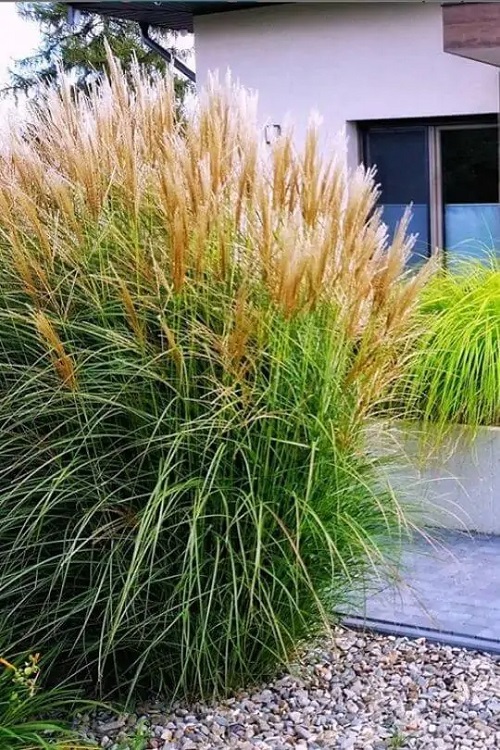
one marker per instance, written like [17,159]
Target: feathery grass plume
[197,501]
[62,361]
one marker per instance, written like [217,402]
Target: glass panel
[471,230]
[401,158]
[392,213]
[470,175]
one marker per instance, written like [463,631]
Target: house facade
[415,86]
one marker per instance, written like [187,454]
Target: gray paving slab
[450,582]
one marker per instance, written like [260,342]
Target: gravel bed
[354,692]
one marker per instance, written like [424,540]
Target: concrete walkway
[450,592]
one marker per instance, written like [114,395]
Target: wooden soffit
[473,30]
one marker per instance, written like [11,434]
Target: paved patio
[450,592]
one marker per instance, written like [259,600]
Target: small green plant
[26,710]
[138,740]
[397,741]
[24,677]
[454,377]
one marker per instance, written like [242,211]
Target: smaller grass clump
[454,377]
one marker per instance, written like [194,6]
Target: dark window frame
[433,125]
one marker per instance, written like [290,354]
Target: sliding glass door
[401,158]
[449,173]
[469,191]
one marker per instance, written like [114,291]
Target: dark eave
[177,16]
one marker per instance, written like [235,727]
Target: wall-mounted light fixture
[272,133]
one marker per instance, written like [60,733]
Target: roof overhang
[176,16]
[472,30]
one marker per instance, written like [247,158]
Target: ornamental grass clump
[454,377]
[191,333]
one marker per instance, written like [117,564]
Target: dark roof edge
[177,16]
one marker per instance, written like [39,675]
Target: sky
[18,38]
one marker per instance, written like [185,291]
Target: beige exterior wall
[350,62]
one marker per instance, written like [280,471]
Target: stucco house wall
[350,62]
